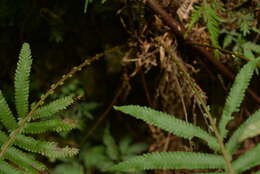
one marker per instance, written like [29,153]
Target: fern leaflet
[49,125]
[233,141]
[49,149]
[247,160]
[169,123]
[21,81]
[6,168]
[171,160]
[110,143]
[236,94]
[53,107]
[6,115]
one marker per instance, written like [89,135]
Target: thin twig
[146,91]
[106,112]
[233,54]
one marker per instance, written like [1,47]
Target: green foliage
[243,132]
[68,168]
[21,82]
[236,95]
[110,153]
[242,46]
[251,130]
[247,160]
[237,38]
[81,112]
[6,115]
[87,2]
[196,160]
[23,142]
[209,15]
[169,123]
[53,107]
[171,160]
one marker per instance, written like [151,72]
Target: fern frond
[236,95]
[233,141]
[109,141]
[212,21]
[49,125]
[248,160]
[169,123]
[195,16]
[171,160]
[19,161]
[49,149]
[53,107]
[21,81]
[6,115]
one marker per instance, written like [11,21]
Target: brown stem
[108,109]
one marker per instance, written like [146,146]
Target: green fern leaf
[124,144]
[236,94]
[228,40]
[6,115]
[250,131]
[5,168]
[96,157]
[49,125]
[53,107]
[232,143]
[195,16]
[20,158]
[169,123]
[212,20]
[171,160]
[24,161]
[49,149]
[111,147]
[248,160]
[21,82]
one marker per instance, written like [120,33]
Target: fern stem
[60,82]
[225,153]
[199,94]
